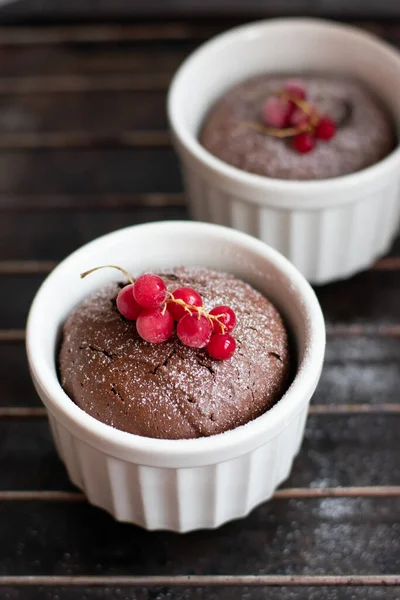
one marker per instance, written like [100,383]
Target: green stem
[108,267]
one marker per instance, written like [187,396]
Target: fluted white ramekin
[177,484]
[329,229]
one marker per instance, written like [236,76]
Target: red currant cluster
[155,310]
[289,113]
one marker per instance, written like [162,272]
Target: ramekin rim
[311,188]
[63,407]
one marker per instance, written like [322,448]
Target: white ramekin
[331,228]
[177,484]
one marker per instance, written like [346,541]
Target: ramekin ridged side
[325,244]
[330,229]
[178,485]
[180,499]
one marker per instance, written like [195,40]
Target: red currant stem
[315,117]
[172,300]
[107,267]
[198,309]
[166,304]
[290,131]
[314,120]
[302,104]
[280,133]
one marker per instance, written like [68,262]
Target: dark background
[96,10]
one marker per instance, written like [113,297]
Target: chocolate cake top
[170,390]
[365,131]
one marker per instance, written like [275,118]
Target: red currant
[155,325]
[187,295]
[276,112]
[221,346]
[194,331]
[325,129]
[296,88]
[126,303]
[150,291]
[298,117]
[228,319]
[303,142]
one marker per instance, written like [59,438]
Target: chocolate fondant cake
[170,390]
[364,135]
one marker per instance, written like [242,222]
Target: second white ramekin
[177,484]
[329,229]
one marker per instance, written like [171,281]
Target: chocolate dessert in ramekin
[170,390]
[236,128]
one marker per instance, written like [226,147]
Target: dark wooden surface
[84,150]
[106,9]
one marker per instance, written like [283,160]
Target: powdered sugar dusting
[365,131]
[170,390]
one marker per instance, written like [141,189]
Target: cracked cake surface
[170,390]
